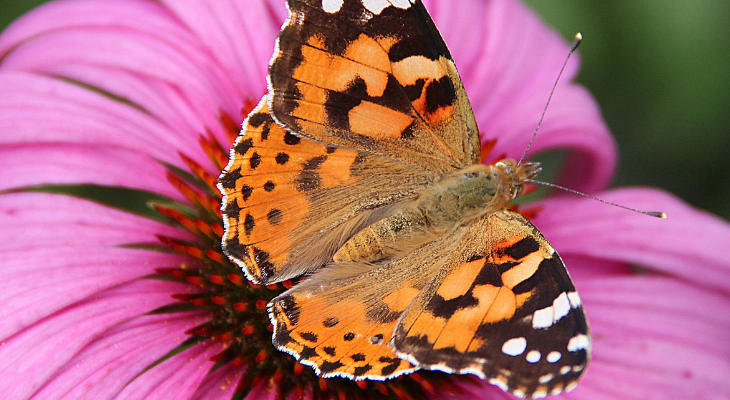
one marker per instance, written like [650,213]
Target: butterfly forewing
[289,202]
[374,76]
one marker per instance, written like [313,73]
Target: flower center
[237,308]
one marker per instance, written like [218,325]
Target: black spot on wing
[440,93]
[269,186]
[442,308]
[505,266]
[489,275]
[246,192]
[243,146]
[349,336]
[409,131]
[308,352]
[330,322]
[328,366]
[234,248]
[338,104]
[331,351]
[291,139]
[360,371]
[357,357]
[229,179]
[522,249]
[393,364]
[282,158]
[255,160]
[256,119]
[309,336]
[232,210]
[249,224]
[274,216]
[414,91]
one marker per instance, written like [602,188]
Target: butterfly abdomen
[456,199]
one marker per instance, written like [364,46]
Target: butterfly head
[514,175]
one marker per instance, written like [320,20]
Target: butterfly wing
[341,320]
[374,76]
[502,307]
[289,203]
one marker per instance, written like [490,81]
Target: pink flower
[104,298]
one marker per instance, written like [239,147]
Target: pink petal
[27,164]
[687,244]
[68,251]
[36,353]
[129,36]
[108,363]
[655,338]
[41,110]
[240,36]
[175,378]
[220,384]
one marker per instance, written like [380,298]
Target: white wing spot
[564,369]
[553,357]
[575,301]
[545,317]
[539,393]
[533,356]
[542,318]
[402,4]
[579,342]
[561,305]
[332,6]
[546,378]
[514,347]
[377,6]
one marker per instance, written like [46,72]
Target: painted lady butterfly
[361,167]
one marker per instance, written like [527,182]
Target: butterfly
[361,169]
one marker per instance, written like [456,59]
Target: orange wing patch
[266,187]
[339,340]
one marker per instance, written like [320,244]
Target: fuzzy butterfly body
[361,168]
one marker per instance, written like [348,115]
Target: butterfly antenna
[576,42]
[657,214]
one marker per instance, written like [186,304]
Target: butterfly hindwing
[343,75]
[341,319]
[502,307]
[290,202]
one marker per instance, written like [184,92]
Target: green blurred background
[661,73]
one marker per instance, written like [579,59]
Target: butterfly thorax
[456,199]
